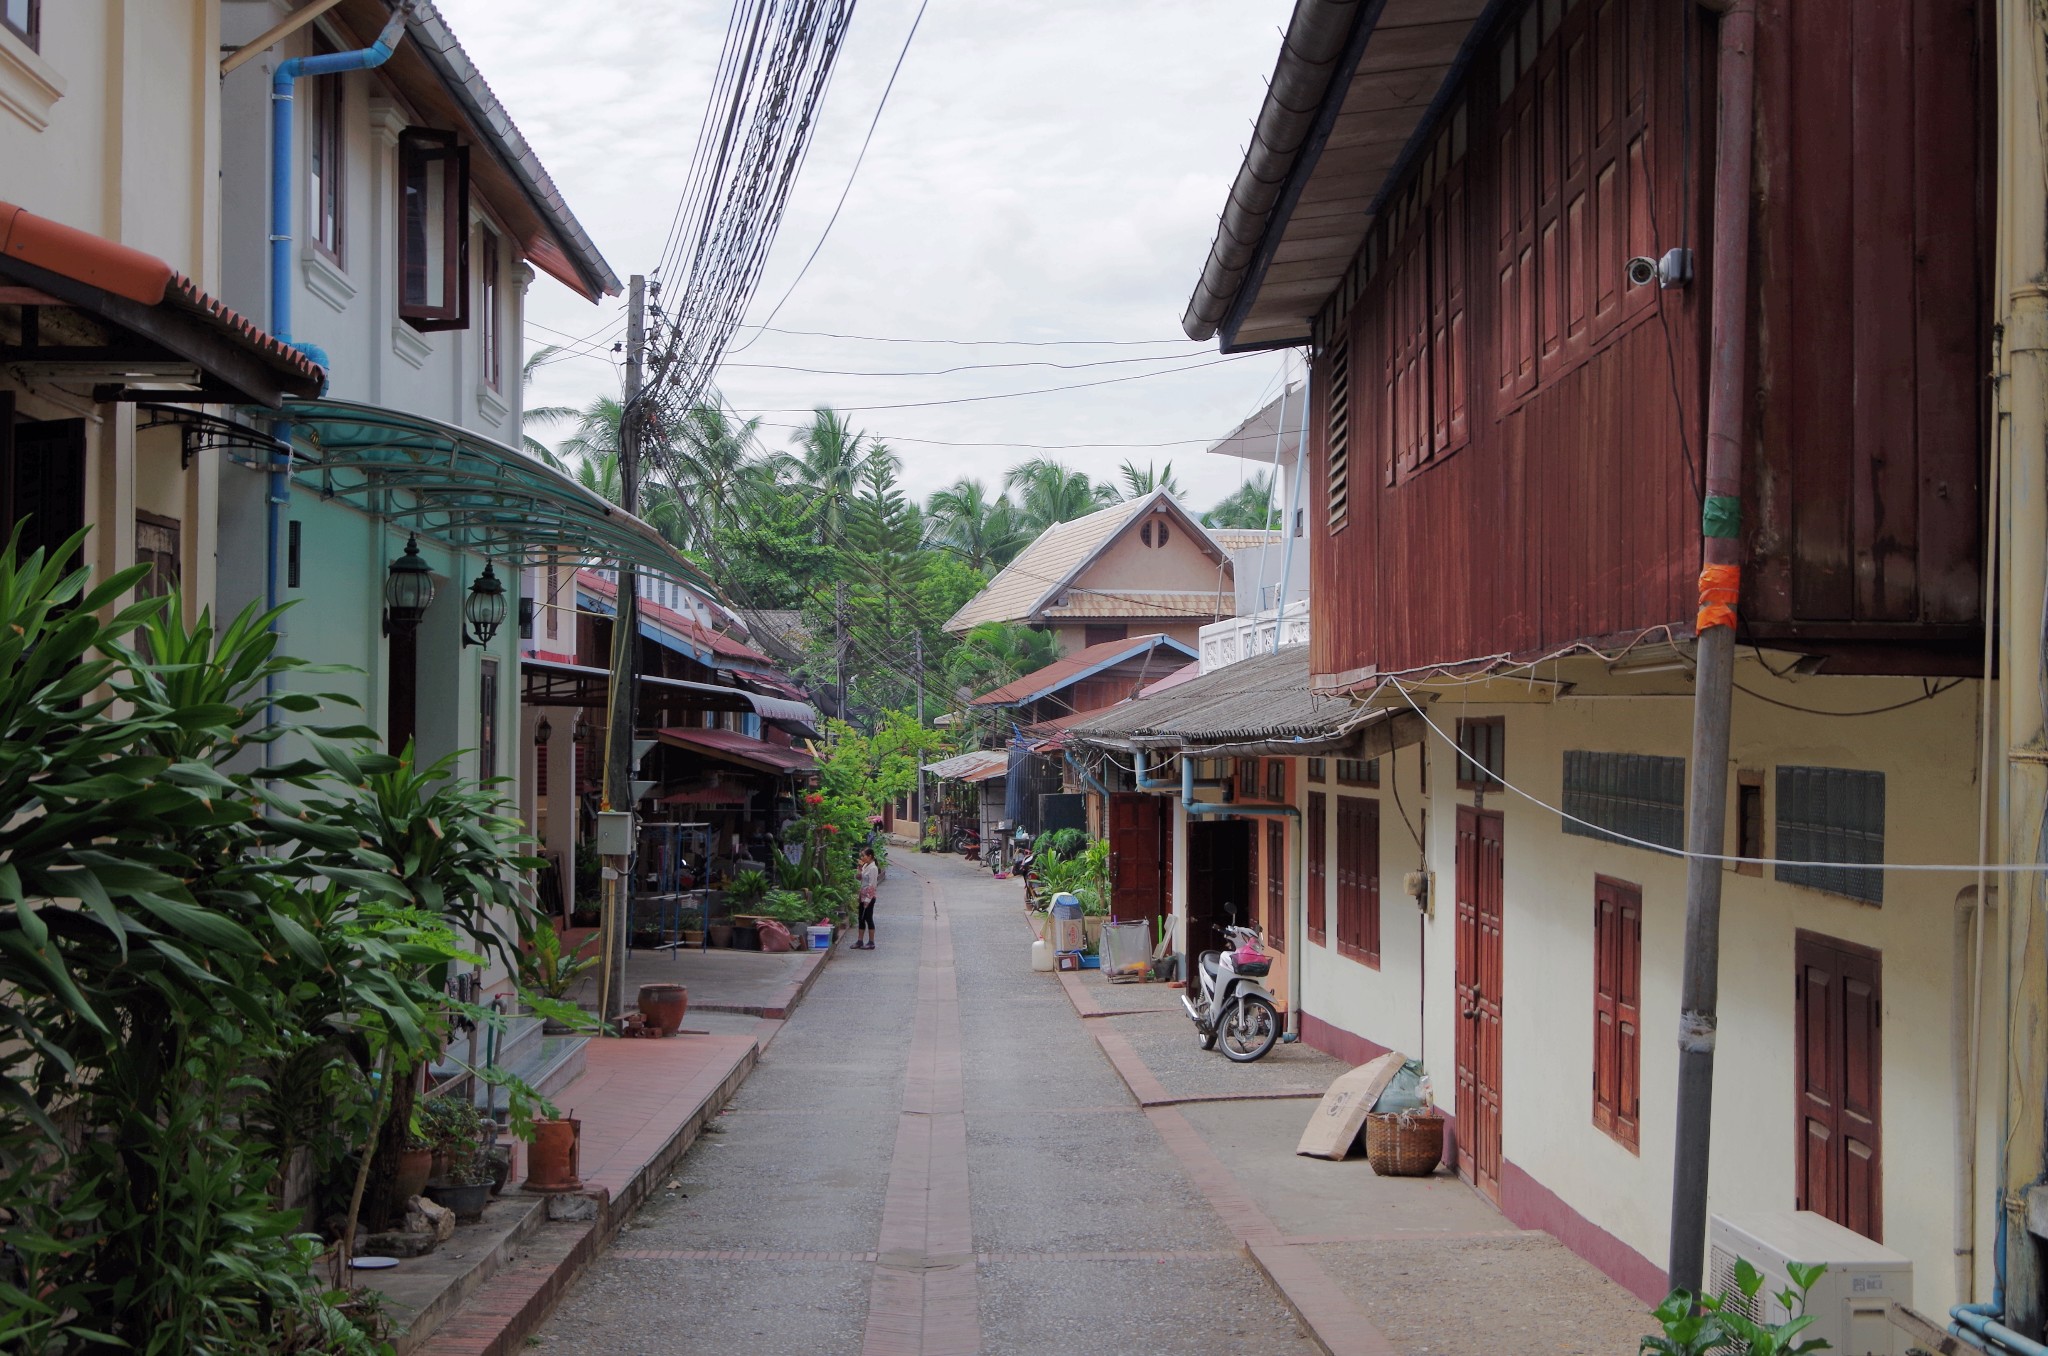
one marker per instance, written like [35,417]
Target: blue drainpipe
[282,182]
[1088,778]
[1979,1323]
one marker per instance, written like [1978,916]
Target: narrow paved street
[933,1156]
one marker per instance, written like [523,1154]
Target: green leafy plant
[1066,842]
[1714,1324]
[454,1128]
[747,887]
[544,967]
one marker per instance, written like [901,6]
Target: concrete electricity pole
[625,695]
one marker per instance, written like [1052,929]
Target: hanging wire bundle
[773,71]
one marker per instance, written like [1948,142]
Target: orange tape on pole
[1720,589]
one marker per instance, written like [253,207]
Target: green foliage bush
[204,970]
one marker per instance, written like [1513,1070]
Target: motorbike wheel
[1206,1035]
[1250,1029]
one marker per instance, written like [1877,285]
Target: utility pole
[839,644]
[1720,588]
[919,635]
[625,693]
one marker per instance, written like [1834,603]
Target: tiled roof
[1179,604]
[1072,668]
[142,278]
[1023,589]
[745,750]
[1266,699]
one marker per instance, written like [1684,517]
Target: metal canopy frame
[463,491]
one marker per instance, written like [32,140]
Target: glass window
[487,721]
[25,18]
[1832,814]
[325,167]
[433,240]
[1482,753]
[1637,794]
[488,301]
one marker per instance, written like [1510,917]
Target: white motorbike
[1229,1002]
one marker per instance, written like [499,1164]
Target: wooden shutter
[1335,370]
[1276,882]
[1515,366]
[1317,874]
[1450,421]
[1617,1003]
[1358,879]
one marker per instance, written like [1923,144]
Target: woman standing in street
[870,885]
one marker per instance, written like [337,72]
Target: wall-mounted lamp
[541,731]
[408,589]
[484,609]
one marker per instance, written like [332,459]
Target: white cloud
[1046,170]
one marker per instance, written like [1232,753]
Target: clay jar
[552,1161]
[663,1006]
[413,1167]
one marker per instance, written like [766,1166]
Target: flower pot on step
[663,1006]
[414,1167]
[552,1161]
[721,934]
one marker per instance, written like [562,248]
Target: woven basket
[1404,1143]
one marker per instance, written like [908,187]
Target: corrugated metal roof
[976,765]
[1070,669]
[1259,700]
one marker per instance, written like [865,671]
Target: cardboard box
[1333,1130]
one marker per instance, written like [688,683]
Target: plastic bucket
[821,938]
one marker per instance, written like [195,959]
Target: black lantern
[484,609]
[541,731]
[408,589]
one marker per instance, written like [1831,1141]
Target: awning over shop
[87,312]
[742,750]
[1262,705]
[710,797]
[549,682]
[464,491]
[978,765]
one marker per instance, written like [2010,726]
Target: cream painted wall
[127,151]
[1073,636]
[1927,752]
[1180,564]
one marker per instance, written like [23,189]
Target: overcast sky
[1045,170]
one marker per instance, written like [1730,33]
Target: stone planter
[467,1199]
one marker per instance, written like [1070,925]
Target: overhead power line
[963,367]
[1043,390]
[982,343]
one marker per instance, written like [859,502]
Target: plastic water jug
[1041,955]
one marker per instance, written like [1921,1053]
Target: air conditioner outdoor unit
[1848,1302]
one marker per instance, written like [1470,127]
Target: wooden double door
[1839,1004]
[1480,876]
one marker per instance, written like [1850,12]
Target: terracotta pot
[721,934]
[552,1159]
[414,1166]
[663,1006]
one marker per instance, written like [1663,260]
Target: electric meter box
[614,833]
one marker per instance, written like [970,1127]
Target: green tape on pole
[1722,516]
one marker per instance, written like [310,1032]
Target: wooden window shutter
[1617,1003]
[1317,873]
[1276,882]
[1450,422]
[1336,366]
[1358,879]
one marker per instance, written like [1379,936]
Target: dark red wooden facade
[1510,437]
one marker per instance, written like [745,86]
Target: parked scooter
[1229,1001]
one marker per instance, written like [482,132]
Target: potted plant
[545,969]
[747,889]
[461,1137]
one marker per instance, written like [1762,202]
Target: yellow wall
[1927,752]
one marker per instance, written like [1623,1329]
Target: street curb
[498,1317]
[1332,1320]
[786,998]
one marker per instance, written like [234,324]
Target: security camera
[1642,271]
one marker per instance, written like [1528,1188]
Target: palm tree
[711,460]
[994,653]
[1249,505]
[1052,493]
[591,457]
[829,461]
[1138,484]
[986,533]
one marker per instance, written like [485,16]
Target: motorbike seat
[1210,963]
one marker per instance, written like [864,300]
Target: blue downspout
[1087,778]
[282,180]
[1146,783]
[1979,1322]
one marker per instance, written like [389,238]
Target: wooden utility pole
[920,725]
[1720,586]
[625,694]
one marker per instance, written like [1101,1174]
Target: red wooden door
[1137,857]
[1838,1064]
[1479,1002]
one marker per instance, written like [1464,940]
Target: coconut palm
[985,532]
[711,460]
[1137,484]
[1249,505]
[1050,493]
[994,653]
[828,464]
